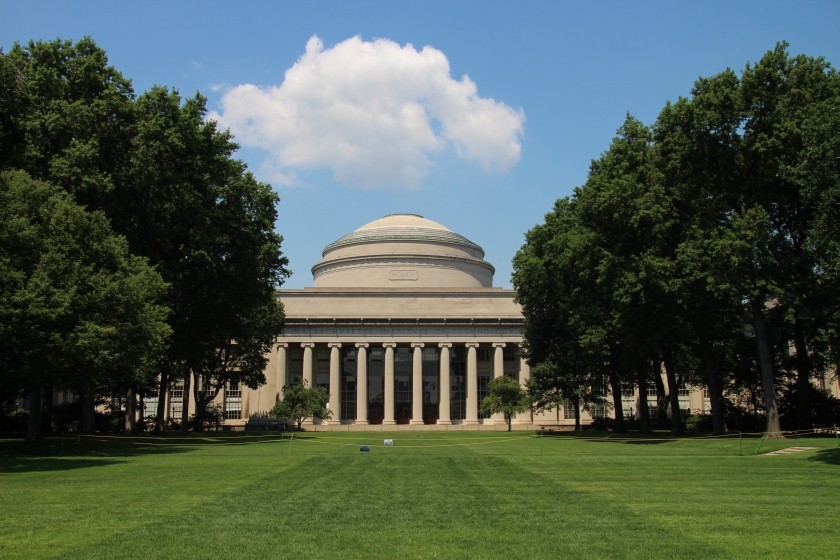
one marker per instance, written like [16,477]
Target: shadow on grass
[614,437]
[830,456]
[56,453]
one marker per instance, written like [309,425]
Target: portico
[381,373]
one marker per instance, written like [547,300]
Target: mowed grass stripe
[451,496]
[403,502]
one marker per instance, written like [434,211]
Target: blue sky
[339,106]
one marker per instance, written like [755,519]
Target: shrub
[698,423]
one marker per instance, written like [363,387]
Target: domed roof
[403,250]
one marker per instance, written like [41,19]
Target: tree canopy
[505,396]
[703,239]
[153,172]
[300,402]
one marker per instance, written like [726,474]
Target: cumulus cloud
[375,113]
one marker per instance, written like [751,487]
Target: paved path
[788,451]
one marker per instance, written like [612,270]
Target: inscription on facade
[398,275]
[401,332]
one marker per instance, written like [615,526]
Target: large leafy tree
[78,312]
[70,118]
[166,178]
[208,225]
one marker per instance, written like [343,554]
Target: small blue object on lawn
[364,449]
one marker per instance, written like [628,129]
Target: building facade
[404,329]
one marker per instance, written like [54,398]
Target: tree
[208,225]
[301,402]
[79,312]
[505,396]
[72,120]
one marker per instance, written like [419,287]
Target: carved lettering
[403,275]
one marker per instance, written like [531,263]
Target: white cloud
[375,113]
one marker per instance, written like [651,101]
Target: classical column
[307,362]
[335,382]
[445,386]
[472,384]
[388,416]
[281,370]
[498,359]
[498,371]
[417,384]
[361,383]
[524,375]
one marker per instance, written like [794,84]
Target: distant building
[404,327]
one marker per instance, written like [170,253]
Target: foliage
[505,396]
[709,234]
[163,176]
[301,402]
[79,312]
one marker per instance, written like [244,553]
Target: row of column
[388,388]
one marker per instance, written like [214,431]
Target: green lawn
[431,495]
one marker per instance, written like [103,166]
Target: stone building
[402,325]
[405,330]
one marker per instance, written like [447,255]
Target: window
[322,354]
[377,354]
[598,411]
[651,389]
[628,390]
[176,400]
[150,407]
[483,354]
[429,354]
[296,354]
[569,411]
[509,353]
[682,389]
[233,401]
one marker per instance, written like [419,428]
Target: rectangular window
[509,353]
[682,389]
[651,389]
[569,411]
[598,411]
[233,402]
[322,354]
[483,354]
[296,354]
[628,390]
[150,407]
[377,354]
[429,354]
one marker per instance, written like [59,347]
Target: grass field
[431,495]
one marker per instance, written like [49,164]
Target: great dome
[403,251]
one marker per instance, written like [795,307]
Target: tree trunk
[163,389]
[618,407]
[130,418]
[576,403]
[185,407]
[661,398]
[673,390]
[765,362]
[644,412]
[803,378]
[713,383]
[33,423]
[88,420]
